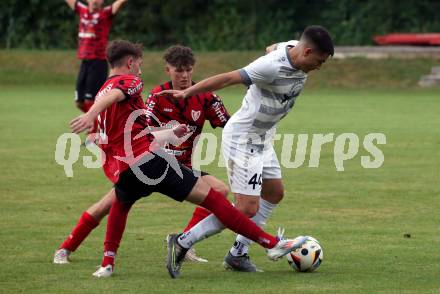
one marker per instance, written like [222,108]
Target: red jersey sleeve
[216,111]
[80,8]
[131,86]
[107,12]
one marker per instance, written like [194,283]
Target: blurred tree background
[218,24]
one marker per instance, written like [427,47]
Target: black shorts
[92,75]
[130,188]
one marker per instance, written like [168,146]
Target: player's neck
[177,87]
[118,72]
[91,10]
[294,56]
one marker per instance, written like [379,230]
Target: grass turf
[360,215]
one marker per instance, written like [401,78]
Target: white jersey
[274,83]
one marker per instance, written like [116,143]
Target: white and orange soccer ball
[307,258]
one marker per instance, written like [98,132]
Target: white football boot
[191,256]
[104,272]
[285,246]
[61,256]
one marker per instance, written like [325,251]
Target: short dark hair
[119,49]
[320,37]
[179,56]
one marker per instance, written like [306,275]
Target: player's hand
[180,130]
[174,93]
[81,123]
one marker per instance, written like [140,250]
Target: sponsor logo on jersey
[168,109]
[131,91]
[219,111]
[195,114]
[89,22]
[105,90]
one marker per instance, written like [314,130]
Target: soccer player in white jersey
[275,81]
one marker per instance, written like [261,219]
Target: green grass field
[360,215]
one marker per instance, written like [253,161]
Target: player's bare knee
[102,208]
[223,188]
[275,197]
[106,209]
[272,191]
[216,184]
[97,213]
[99,210]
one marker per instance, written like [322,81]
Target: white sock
[241,244]
[204,229]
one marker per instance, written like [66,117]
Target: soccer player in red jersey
[94,27]
[138,166]
[193,112]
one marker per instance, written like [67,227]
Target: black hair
[320,37]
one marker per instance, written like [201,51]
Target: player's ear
[130,62]
[307,51]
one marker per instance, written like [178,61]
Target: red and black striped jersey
[93,32]
[114,123]
[192,111]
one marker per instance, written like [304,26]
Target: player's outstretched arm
[172,136]
[71,3]
[271,48]
[207,85]
[85,121]
[117,5]
[175,136]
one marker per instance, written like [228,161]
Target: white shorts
[247,165]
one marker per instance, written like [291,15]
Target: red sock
[116,221]
[87,104]
[198,214]
[235,220]
[85,225]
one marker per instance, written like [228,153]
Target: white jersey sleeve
[262,70]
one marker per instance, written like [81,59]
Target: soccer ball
[307,258]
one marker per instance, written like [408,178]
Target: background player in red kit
[193,112]
[94,27]
[132,169]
